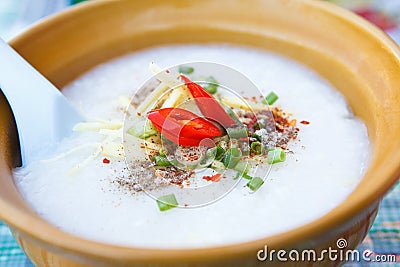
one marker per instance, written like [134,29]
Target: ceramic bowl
[356,57]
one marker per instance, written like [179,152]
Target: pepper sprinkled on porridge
[225,133]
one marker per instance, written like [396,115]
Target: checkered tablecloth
[10,253]
[384,236]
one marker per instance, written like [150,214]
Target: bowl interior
[357,58]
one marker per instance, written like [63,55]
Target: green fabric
[10,253]
[76,1]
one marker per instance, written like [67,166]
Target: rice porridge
[78,187]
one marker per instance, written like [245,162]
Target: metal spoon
[42,114]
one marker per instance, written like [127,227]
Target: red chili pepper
[208,105]
[214,178]
[183,127]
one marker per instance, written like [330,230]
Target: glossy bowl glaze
[357,58]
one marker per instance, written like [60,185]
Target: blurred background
[384,236]
[16,15]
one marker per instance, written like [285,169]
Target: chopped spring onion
[242,167]
[255,183]
[186,69]
[212,85]
[256,136]
[216,153]
[232,157]
[209,157]
[161,161]
[218,166]
[257,148]
[270,98]
[220,153]
[143,128]
[167,202]
[211,153]
[245,149]
[163,152]
[246,176]
[237,132]
[276,155]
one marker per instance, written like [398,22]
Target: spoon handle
[42,114]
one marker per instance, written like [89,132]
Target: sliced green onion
[245,149]
[186,69]
[212,85]
[220,153]
[163,152]
[242,167]
[248,177]
[238,175]
[167,202]
[237,132]
[255,183]
[257,125]
[257,148]
[232,157]
[211,153]
[234,144]
[161,161]
[209,157]
[276,155]
[256,136]
[143,128]
[270,98]
[218,166]
[211,89]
